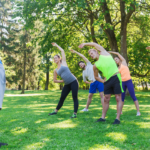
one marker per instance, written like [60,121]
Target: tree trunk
[142,85]
[38,85]
[125,17]
[24,72]
[19,87]
[146,88]
[124,43]
[92,28]
[47,81]
[60,86]
[112,39]
[87,87]
[47,72]
[109,31]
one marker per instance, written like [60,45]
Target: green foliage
[69,23]
[139,59]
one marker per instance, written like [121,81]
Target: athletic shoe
[2,144]
[138,114]
[74,116]
[101,120]
[52,113]
[84,109]
[116,121]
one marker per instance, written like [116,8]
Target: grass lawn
[25,124]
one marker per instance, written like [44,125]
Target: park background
[27,29]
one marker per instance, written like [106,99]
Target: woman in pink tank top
[126,80]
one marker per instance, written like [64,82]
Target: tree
[45,66]
[70,22]
[84,16]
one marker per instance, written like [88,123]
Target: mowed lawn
[25,124]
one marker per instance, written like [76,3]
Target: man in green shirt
[112,84]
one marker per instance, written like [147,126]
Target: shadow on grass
[25,123]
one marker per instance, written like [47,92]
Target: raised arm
[55,78]
[81,55]
[97,46]
[120,57]
[62,52]
[96,75]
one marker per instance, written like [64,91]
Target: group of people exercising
[116,80]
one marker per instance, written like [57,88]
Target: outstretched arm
[120,56]
[55,78]
[62,52]
[97,46]
[87,82]
[81,55]
[96,75]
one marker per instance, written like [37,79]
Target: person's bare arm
[97,46]
[81,55]
[120,57]
[96,75]
[55,78]
[148,47]
[62,52]
[87,82]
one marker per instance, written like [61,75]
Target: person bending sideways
[126,80]
[2,89]
[71,83]
[88,73]
[112,83]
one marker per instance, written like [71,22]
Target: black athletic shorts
[113,85]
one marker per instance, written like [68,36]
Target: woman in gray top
[71,83]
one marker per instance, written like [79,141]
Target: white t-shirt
[88,73]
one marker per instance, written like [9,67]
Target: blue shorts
[96,85]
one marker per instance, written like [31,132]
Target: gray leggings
[2,84]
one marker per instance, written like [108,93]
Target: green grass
[25,124]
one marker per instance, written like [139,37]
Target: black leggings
[65,91]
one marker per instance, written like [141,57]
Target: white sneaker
[138,114]
[84,109]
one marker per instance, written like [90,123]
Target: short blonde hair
[92,50]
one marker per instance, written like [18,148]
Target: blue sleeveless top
[65,74]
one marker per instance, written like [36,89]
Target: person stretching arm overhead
[71,83]
[89,74]
[113,83]
[126,79]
